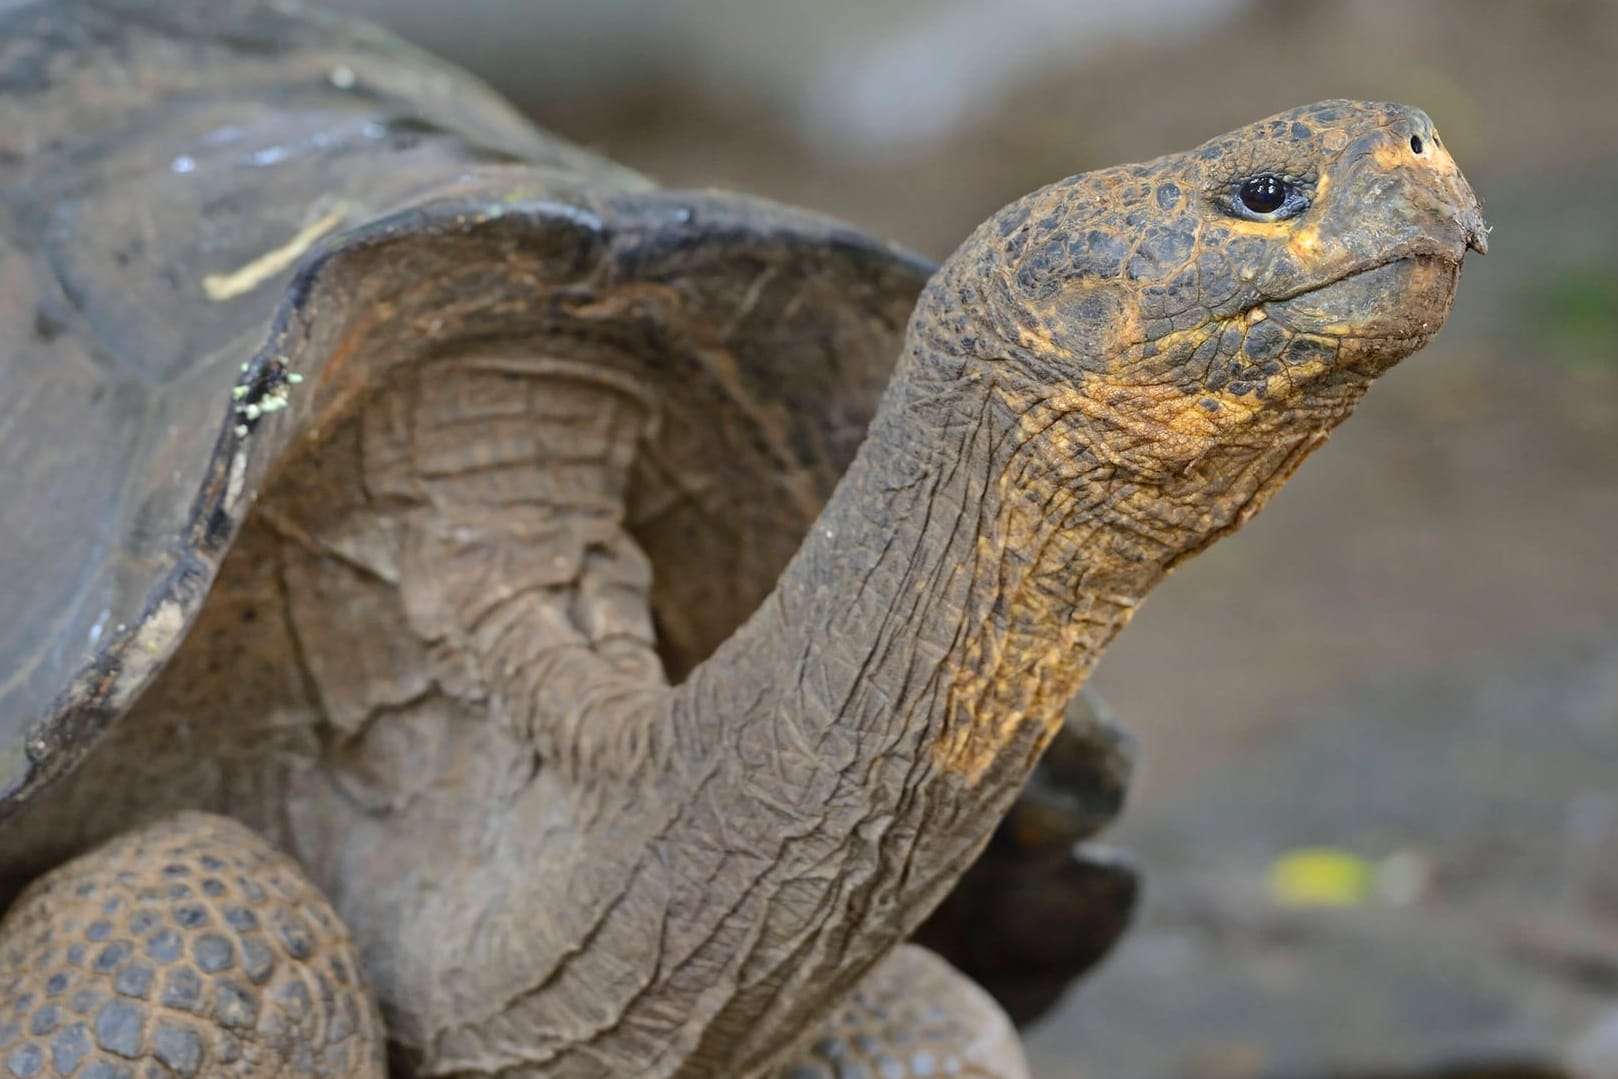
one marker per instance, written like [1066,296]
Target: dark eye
[1268,197]
[1264,194]
[1415,144]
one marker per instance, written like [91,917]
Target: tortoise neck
[866,730]
[951,598]
[859,738]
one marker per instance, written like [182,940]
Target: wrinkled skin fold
[555,862]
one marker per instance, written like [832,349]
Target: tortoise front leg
[188,947]
[913,1015]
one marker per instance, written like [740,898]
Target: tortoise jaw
[1405,299]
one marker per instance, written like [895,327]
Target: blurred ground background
[1412,657]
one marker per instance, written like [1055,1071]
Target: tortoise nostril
[1415,144]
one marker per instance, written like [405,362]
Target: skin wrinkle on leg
[539,583]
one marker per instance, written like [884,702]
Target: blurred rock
[1506,958]
[1595,1054]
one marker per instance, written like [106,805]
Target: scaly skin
[190,945]
[556,863]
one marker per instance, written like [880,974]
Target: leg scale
[189,947]
[913,1017]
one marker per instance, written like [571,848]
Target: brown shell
[212,208]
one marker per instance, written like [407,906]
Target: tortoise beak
[1464,209]
[1476,229]
[1463,204]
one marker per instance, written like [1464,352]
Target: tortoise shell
[223,220]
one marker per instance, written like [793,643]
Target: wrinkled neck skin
[889,699]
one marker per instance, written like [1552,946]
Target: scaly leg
[188,947]
[914,1015]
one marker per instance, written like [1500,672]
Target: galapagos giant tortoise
[422,565]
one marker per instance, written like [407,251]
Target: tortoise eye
[1267,197]
[1264,194]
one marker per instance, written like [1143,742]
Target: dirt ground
[1414,653]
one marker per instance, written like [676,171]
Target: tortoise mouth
[1406,298]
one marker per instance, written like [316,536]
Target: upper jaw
[1467,213]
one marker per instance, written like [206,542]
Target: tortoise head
[1217,296]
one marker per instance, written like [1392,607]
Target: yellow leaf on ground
[1321,877]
